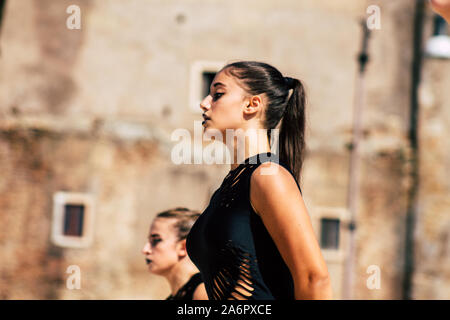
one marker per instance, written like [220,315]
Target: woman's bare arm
[276,198]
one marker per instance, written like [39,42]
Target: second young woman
[165,254]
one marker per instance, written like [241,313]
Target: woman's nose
[206,103]
[146,249]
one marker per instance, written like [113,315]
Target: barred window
[201,76]
[73,217]
[329,234]
[73,220]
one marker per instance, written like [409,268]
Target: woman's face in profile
[163,249]
[224,105]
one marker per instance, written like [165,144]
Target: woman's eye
[217,95]
[154,242]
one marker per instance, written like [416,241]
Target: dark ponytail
[292,131]
[261,78]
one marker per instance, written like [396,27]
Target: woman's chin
[212,131]
[151,267]
[153,270]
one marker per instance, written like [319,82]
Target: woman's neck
[180,275]
[254,144]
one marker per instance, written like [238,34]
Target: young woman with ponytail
[255,240]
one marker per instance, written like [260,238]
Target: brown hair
[185,219]
[258,78]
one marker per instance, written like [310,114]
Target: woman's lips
[148,261]
[205,118]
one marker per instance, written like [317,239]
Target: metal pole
[353,185]
[413,192]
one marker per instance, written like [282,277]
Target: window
[207,78]
[439,26]
[72,219]
[331,229]
[329,233]
[201,75]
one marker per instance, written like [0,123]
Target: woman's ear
[254,105]
[181,248]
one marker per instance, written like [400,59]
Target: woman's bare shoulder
[271,176]
[200,292]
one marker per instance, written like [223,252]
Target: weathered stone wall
[432,238]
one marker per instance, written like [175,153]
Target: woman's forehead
[162,225]
[224,79]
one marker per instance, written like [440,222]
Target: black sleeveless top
[186,292]
[232,248]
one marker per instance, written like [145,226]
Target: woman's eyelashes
[217,95]
[155,241]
